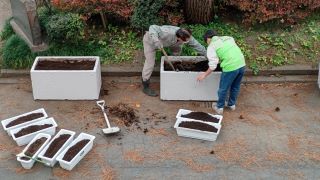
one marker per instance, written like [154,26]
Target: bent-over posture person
[159,37]
[225,50]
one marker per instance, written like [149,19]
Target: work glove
[158,45]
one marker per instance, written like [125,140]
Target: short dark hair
[184,34]
[209,34]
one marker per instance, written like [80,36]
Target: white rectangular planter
[7,121]
[197,134]
[184,111]
[183,85]
[28,164]
[52,161]
[27,138]
[66,84]
[70,165]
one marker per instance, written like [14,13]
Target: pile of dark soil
[56,145]
[31,129]
[75,149]
[66,64]
[125,113]
[199,66]
[198,125]
[24,119]
[34,147]
[201,116]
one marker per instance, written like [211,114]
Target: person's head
[184,35]
[208,35]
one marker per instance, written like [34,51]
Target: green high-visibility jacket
[224,49]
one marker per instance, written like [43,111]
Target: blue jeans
[230,81]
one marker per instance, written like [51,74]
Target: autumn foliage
[287,11]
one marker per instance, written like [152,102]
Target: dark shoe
[147,90]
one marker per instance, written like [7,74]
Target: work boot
[147,90]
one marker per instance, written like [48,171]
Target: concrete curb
[125,71]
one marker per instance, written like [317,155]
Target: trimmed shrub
[16,53]
[265,10]
[7,31]
[65,27]
[146,13]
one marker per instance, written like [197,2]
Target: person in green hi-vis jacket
[224,50]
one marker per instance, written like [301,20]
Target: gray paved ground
[265,144]
[5,12]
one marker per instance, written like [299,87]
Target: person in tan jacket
[159,37]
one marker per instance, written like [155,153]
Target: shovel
[167,59]
[24,155]
[109,129]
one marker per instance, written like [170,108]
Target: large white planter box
[70,165]
[185,111]
[29,163]
[7,121]
[183,85]
[197,134]
[52,161]
[66,84]
[28,137]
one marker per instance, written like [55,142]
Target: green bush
[44,15]
[16,53]
[146,13]
[7,30]
[66,27]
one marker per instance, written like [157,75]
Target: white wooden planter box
[183,85]
[7,121]
[28,137]
[184,111]
[29,163]
[197,134]
[66,84]
[52,161]
[70,165]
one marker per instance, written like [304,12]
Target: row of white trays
[47,133]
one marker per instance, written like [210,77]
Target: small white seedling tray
[185,111]
[29,163]
[52,161]
[7,121]
[197,134]
[70,165]
[28,137]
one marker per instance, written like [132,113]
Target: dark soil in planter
[75,149]
[31,129]
[201,116]
[125,113]
[199,66]
[65,64]
[34,147]
[198,126]
[56,145]
[24,119]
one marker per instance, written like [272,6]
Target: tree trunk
[199,11]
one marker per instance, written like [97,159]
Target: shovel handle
[167,59]
[101,104]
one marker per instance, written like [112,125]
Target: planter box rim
[176,126]
[95,58]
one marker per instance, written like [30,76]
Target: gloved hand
[158,44]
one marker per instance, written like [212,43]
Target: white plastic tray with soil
[185,111]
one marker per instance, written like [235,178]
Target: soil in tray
[199,66]
[56,145]
[24,119]
[66,64]
[31,129]
[201,116]
[198,126]
[75,149]
[34,147]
